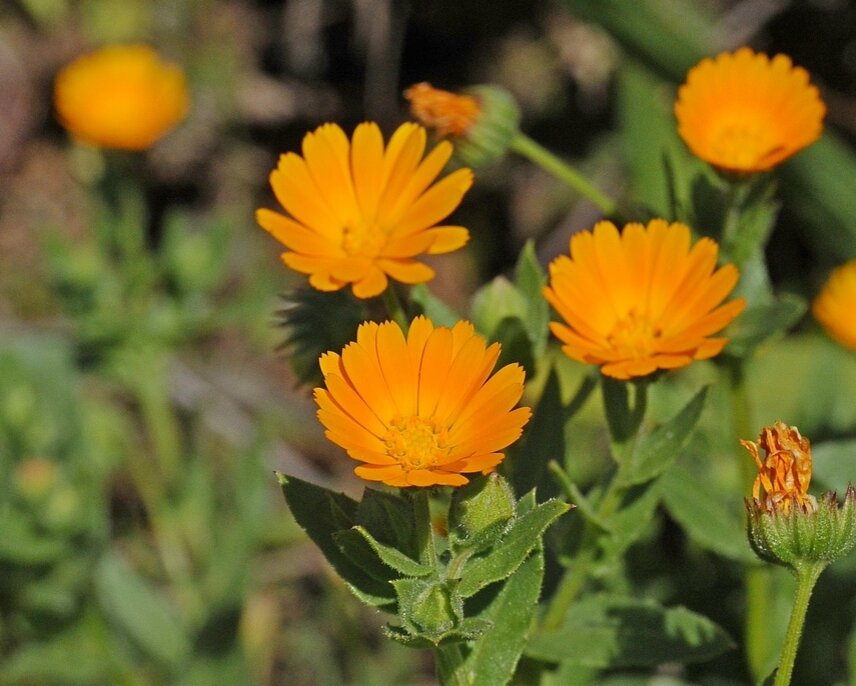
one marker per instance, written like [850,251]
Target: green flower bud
[480,513]
[428,609]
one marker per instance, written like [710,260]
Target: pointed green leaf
[654,452]
[433,308]
[530,278]
[617,632]
[522,537]
[390,519]
[321,513]
[390,556]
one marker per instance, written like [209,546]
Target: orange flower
[785,473]
[745,112]
[446,112]
[420,410]
[642,300]
[361,213]
[121,96]
[836,304]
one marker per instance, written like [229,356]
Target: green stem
[534,152]
[806,579]
[394,307]
[731,222]
[450,661]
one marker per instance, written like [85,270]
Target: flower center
[416,443]
[744,144]
[633,336]
[362,239]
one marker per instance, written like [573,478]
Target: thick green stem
[450,665]
[394,307]
[806,579]
[526,147]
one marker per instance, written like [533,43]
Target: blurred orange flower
[446,112]
[121,96]
[360,213]
[423,409]
[785,473]
[641,300]
[835,306]
[745,112]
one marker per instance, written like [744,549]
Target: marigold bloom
[641,300]
[745,112]
[835,306]
[785,473]
[361,213]
[446,112]
[121,96]
[420,410]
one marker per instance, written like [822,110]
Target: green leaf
[834,463]
[140,611]
[520,539]
[433,308]
[654,452]
[530,278]
[699,509]
[390,519]
[617,632]
[390,556]
[321,513]
[763,323]
[495,654]
[631,519]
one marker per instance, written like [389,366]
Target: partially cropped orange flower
[785,472]
[423,409]
[835,306]
[446,112]
[641,300]
[361,212]
[121,96]
[744,112]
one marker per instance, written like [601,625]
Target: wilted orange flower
[785,473]
[641,300]
[361,213]
[446,112]
[420,410]
[835,306]
[121,96]
[745,112]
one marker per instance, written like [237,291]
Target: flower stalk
[807,577]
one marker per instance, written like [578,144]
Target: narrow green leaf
[699,509]
[631,519]
[321,512]
[390,556]
[654,452]
[530,278]
[390,519]
[495,654]
[763,323]
[433,308]
[140,611]
[616,632]
[520,539]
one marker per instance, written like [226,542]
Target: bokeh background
[143,399]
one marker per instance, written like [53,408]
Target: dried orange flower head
[360,212]
[744,112]
[121,96]
[642,300]
[835,306]
[443,111]
[785,472]
[420,409]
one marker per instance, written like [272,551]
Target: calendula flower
[641,300]
[836,304]
[423,409]
[121,96]
[744,112]
[360,213]
[785,472]
[482,121]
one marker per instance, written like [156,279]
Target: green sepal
[389,556]
[611,632]
[480,513]
[522,537]
[469,629]
[654,452]
[321,512]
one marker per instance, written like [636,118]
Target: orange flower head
[835,305]
[641,300]
[360,212]
[785,472]
[446,112]
[121,96]
[744,112]
[421,409]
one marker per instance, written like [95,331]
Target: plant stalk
[806,579]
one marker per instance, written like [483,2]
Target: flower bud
[480,513]
[481,121]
